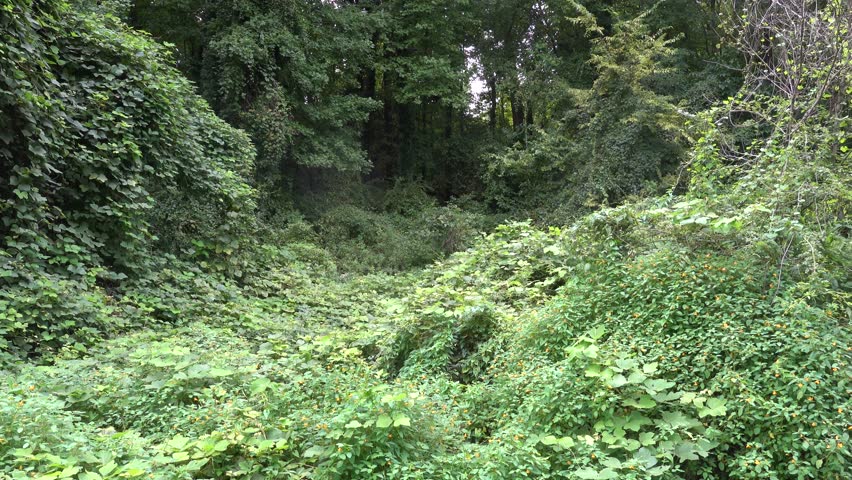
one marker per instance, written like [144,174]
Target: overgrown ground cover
[544,354]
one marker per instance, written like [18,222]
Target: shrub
[105,149]
[364,240]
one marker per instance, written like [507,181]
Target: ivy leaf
[686,451]
[314,451]
[645,457]
[657,385]
[642,402]
[679,420]
[384,421]
[715,407]
[647,438]
[687,397]
[592,474]
[618,381]
[401,420]
[636,377]
[260,385]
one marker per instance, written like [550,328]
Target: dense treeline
[250,239]
[382,88]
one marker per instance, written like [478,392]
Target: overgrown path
[553,354]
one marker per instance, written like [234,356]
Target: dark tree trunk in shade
[517,112]
[492,103]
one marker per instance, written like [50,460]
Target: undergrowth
[566,353]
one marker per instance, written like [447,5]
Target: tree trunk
[492,103]
[517,111]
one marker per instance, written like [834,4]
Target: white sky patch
[476,83]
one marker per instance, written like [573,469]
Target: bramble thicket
[480,239]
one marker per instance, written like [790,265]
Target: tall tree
[286,70]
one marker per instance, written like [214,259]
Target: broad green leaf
[679,420]
[647,438]
[618,381]
[108,468]
[635,421]
[133,472]
[645,457]
[715,407]
[626,363]
[636,377]
[597,332]
[685,451]
[401,421]
[314,451]
[566,442]
[632,445]
[384,421]
[641,402]
[259,385]
[196,465]
[68,472]
[657,385]
[592,474]
[177,443]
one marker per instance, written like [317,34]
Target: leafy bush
[671,320]
[616,139]
[43,312]
[105,149]
[364,240]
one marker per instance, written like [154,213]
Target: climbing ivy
[100,136]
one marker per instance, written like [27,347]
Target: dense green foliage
[105,151]
[312,296]
[579,104]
